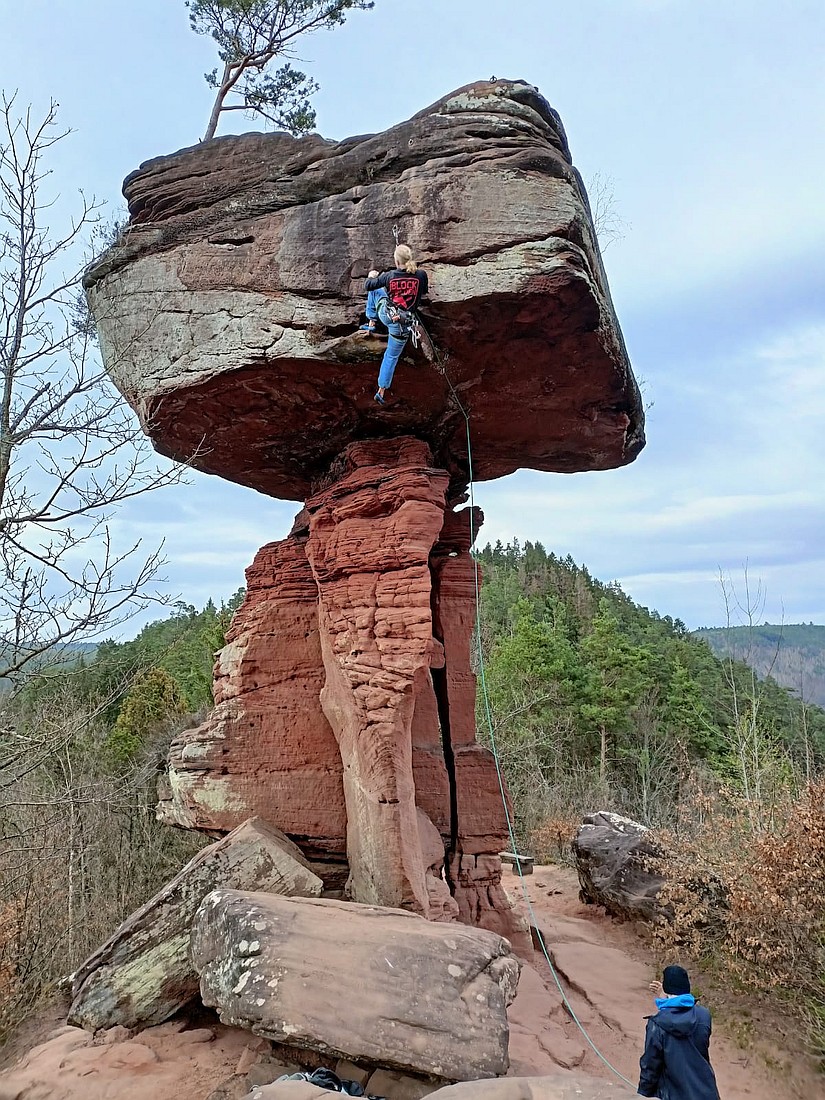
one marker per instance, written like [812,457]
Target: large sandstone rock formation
[351,980]
[345,697]
[221,312]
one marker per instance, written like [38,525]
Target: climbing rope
[441,366]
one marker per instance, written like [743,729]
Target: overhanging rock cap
[227,307]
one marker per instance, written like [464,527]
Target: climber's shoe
[379,399]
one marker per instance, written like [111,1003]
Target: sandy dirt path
[606,967]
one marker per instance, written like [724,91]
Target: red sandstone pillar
[371,534]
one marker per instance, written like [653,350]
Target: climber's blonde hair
[404,259]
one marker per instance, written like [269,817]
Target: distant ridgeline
[794,656]
[67,654]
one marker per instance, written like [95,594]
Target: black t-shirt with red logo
[403,288]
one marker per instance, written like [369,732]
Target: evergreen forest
[596,700]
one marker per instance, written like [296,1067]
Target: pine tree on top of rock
[250,34]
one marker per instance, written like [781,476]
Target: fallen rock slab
[379,985]
[142,974]
[398,1086]
[288,1090]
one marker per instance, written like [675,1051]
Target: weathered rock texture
[617,865]
[556,1087]
[345,698]
[267,748]
[348,668]
[223,310]
[142,975]
[414,995]
[566,1086]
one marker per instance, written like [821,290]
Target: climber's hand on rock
[373,274]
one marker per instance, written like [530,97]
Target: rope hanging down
[441,366]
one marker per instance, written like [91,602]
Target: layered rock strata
[240,275]
[345,698]
[267,747]
[420,997]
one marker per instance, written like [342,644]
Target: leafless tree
[609,224]
[70,449]
[760,758]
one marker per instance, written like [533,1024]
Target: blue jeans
[373,298]
[396,342]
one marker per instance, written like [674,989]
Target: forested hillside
[594,703]
[794,656]
[596,700]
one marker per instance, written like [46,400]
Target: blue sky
[709,118]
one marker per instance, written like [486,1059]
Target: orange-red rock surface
[267,748]
[345,696]
[226,310]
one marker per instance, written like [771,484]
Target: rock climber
[403,287]
[676,1062]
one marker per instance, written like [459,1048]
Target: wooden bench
[525,863]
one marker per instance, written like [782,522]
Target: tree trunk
[226,84]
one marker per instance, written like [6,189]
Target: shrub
[754,900]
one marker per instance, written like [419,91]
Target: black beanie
[675,981]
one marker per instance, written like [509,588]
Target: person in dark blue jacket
[404,288]
[676,1062]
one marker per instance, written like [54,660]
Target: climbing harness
[440,362]
[406,319]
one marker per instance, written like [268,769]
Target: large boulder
[618,866]
[224,309]
[142,974]
[378,985]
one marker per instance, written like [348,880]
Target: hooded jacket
[676,1062]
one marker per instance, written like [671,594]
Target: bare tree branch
[70,449]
